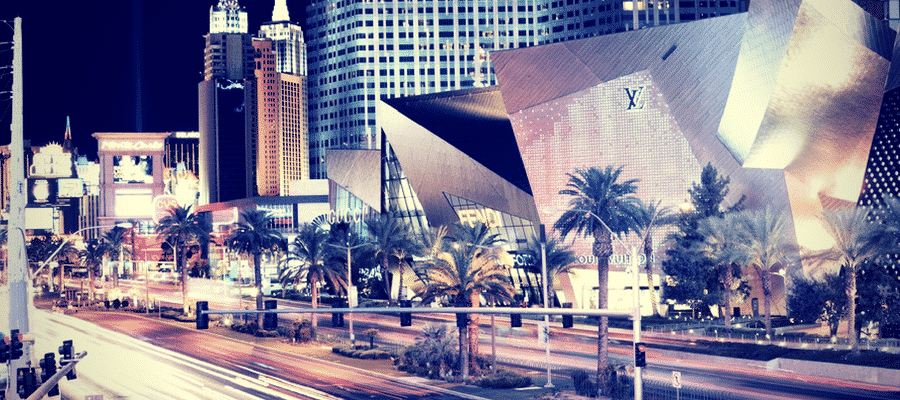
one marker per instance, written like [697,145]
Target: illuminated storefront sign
[51,162]
[162,206]
[347,215]
[486,216]
[616,259]
[132,145]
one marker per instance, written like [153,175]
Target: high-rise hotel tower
[363,50]
[253,123]
[282,153]
[225,127]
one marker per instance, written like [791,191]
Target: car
[272,289]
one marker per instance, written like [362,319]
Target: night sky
[112,66]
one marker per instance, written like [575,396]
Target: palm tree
[131,235]
[114,240]
[181,228]
[92,259]
[763,244]
[254,237]
[392,241]
[437,344]
[652,217]
[306,260]
[600,207]
[560,259]
[720,236]
[469,264]
[856,241]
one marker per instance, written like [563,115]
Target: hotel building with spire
[253,124]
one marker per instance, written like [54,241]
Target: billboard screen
[70,187]
[132,169]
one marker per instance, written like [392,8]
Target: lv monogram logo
[635,97]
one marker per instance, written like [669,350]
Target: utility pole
[16,258]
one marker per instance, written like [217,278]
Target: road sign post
[676,383]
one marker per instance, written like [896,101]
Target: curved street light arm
[66,240]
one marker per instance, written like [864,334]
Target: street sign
[543,332]
[676,379]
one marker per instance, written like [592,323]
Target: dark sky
[112,66]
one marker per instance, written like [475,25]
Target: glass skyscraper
[363,50]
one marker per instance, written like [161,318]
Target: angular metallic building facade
[785,102]
[784,99]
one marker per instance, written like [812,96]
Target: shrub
[266,333]
[250,328]
[361,353]
[584,385]
[285,332]
[301,331]
[504,380]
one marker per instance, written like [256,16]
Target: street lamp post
[63,244]
[351,290]
[546,304]
[636,318]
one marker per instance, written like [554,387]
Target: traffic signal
[337,319]
[640,354]
[15,345]
[462,320]
[4,350]
[48,369]
[26,382]
[270,320]
[515,320]
[406,318]
[67,354]
[202,318]
[567,319]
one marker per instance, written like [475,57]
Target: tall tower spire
[280,13]
[227,17]
[68,136]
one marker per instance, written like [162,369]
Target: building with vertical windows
[281,128]
[226,140]
[287,41]
[361,51]
[253,112]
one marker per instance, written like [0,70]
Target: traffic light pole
[53,380]
[16,256]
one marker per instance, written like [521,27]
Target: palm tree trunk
[602,249]
[184,278]
[464,352]
[767,294]
[257,275]
[314,318]
[473,328]
[648,267]
[851,309]
[91,283]
[387,275]
[729,280]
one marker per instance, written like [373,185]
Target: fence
[713,330]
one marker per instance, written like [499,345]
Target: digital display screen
[70,187]
[132,169]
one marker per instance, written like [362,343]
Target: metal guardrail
[434,310]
